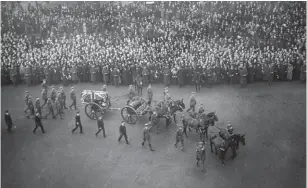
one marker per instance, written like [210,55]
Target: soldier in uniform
[38,123]
[179,137]
[146,136]
[50,108]
[200,151]
[243,74]
[166,73]
[38,107]
[123,132]
[93,74]
[78,123]
[105,72]
[100,125]
[8,121]
[73,98]
[116,76]
[74,74]
[30,107]
[192,102]
[59,106]
[232,73]
[140,85]
[44,97]
[63,98]
[209,76]
[149,94]
[47,74]
[145,73]
[53,94]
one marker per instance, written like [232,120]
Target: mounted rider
[168,101]
[226,134]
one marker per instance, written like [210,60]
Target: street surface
[273,118]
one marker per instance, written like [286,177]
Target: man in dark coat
[78,123]
[38,123]
[8,121]
[123,132]
[100,125]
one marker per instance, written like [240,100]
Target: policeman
[44,97]
[100,125]
[30,107]
[38,123]
[146,136]
[38,107]
[149,94]
[50,108]
[53,94]
[123,132]
[78,123]
[63,98]
[73,98]
[179,137]
[8,121]
[192,102]
[59,107]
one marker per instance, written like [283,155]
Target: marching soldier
[44,97]
[38,107]
[30,107]
[146,136]
[73,98]
[59,106]
[155,120]
[179,137]
[63,98]
[50,108]
[192,102]
[123,132]
[166,73]
[149,94]
[78,123]
[38,123]
[100,125]
[53,94]
[8,121]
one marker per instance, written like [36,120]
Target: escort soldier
[123,132]
[243,74]
[146,136]
[145,73]
[30,107]
[155,120]
[38,107]
[166,73]
[140,85]
[73,98]
[168,101]
[105,72]
[149,94]
[63,98]
[8,121]
[59,106]
[100,125]
[53,94]
[116,76]
[200,151]
[179,137]
[78,123]
[44,97]
[38,123]
[50,108]
[192,102]
[93,74]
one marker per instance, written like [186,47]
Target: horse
[200,123]
[178,105]
[224,145]
[160,113]
[201,156]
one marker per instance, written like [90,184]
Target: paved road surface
[273,119]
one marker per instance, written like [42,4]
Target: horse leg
[233,153]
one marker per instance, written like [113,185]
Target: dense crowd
[175,38]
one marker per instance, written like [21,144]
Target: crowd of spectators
[208,34]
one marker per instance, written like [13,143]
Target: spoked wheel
[160,104]
[129,115]
[93,111]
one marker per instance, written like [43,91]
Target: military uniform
[93,74]
[63,98]
[74,99]
[166,73]
[146,136]
[174,75]
[116,76]
[123,132]
[179,138]
[38,123]
[131,93]
[38,107]
[197,81]
[105,72]
[50,108]
[30,107]
[192,103]
[28,75]
[100,125]
[140,85]
[59,107]
[53,94]
[180,77]
[44,97]
[270,74]
[74,74]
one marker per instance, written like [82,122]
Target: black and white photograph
[153,94]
